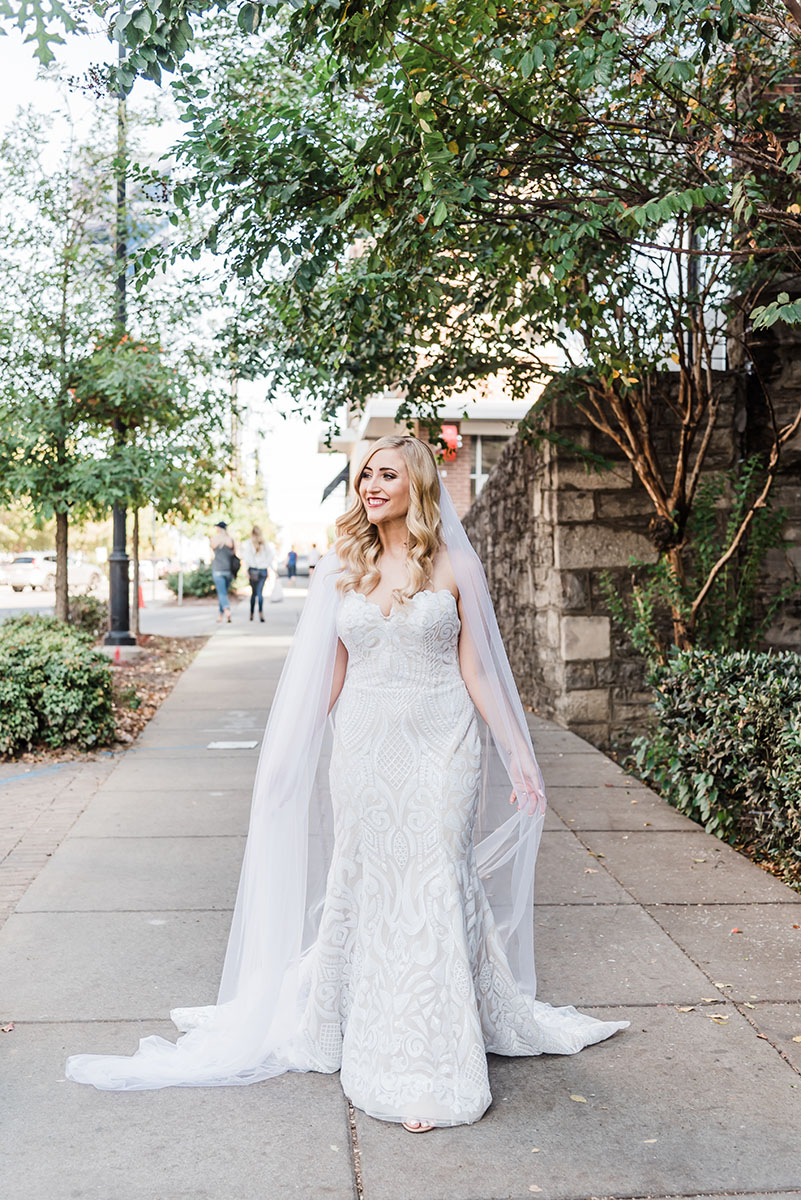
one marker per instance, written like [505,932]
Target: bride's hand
[535,803]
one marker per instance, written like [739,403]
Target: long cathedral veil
[246,1036]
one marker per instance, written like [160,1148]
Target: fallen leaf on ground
[649,1141]
[590,870]
[579,1099]
[736,930]
[532,1187]
[797,1039]
[9,1028]
[711,999]
[699,860]
[685,1008]
[762,1036]
[722,985]
[718,1018]
[535,1150]
[747,1004]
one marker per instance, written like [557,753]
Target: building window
[484,454]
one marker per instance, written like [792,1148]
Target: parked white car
[37,569]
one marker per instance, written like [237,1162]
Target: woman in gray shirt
[222,566]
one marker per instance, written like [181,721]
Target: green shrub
[725,747]
[198,582]
[88,614]
[55,688]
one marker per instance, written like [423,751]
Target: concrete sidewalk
[636,918]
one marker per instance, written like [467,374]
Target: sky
[294,471]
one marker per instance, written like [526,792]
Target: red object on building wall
[450,435]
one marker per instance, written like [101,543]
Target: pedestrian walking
[257,555]
[224,566]
[314,558]
[291,566]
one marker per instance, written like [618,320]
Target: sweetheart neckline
[397,607]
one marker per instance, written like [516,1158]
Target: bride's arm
[340,670]
[489,702]
[518,751]
[469,668]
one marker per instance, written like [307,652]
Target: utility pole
[119,594]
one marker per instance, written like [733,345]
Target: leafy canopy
[526,185]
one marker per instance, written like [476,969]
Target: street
[14,604]
[161,615]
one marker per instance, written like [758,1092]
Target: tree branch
[773,464]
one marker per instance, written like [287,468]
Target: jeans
[257,589]
[222,582]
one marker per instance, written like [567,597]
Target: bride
[383,925]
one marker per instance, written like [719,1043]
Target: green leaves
[42,21]
[68,378]
[55,688]
[659,210]
[724,748]
[781,309]
[487,182]
[144,20]
[249,17]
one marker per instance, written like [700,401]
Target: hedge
[55,688]
[198,582]
[725,747]
[89,614]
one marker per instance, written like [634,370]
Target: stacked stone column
[547,529]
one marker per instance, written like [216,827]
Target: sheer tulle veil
[248,1034]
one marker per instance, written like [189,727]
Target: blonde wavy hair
[358,545]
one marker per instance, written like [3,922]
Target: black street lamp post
[119,587]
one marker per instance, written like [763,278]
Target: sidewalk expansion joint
[25,1023]
[154,837]
[718,1193]
[89,912]
[626,1004]
[712,903]
[355,1152]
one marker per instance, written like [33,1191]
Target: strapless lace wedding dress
[408,985]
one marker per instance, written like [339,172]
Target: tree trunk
[135,556]
[62,592]
[681,631]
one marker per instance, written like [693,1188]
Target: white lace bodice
[415,646]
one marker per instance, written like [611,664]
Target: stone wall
[776,373]
[546,529]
